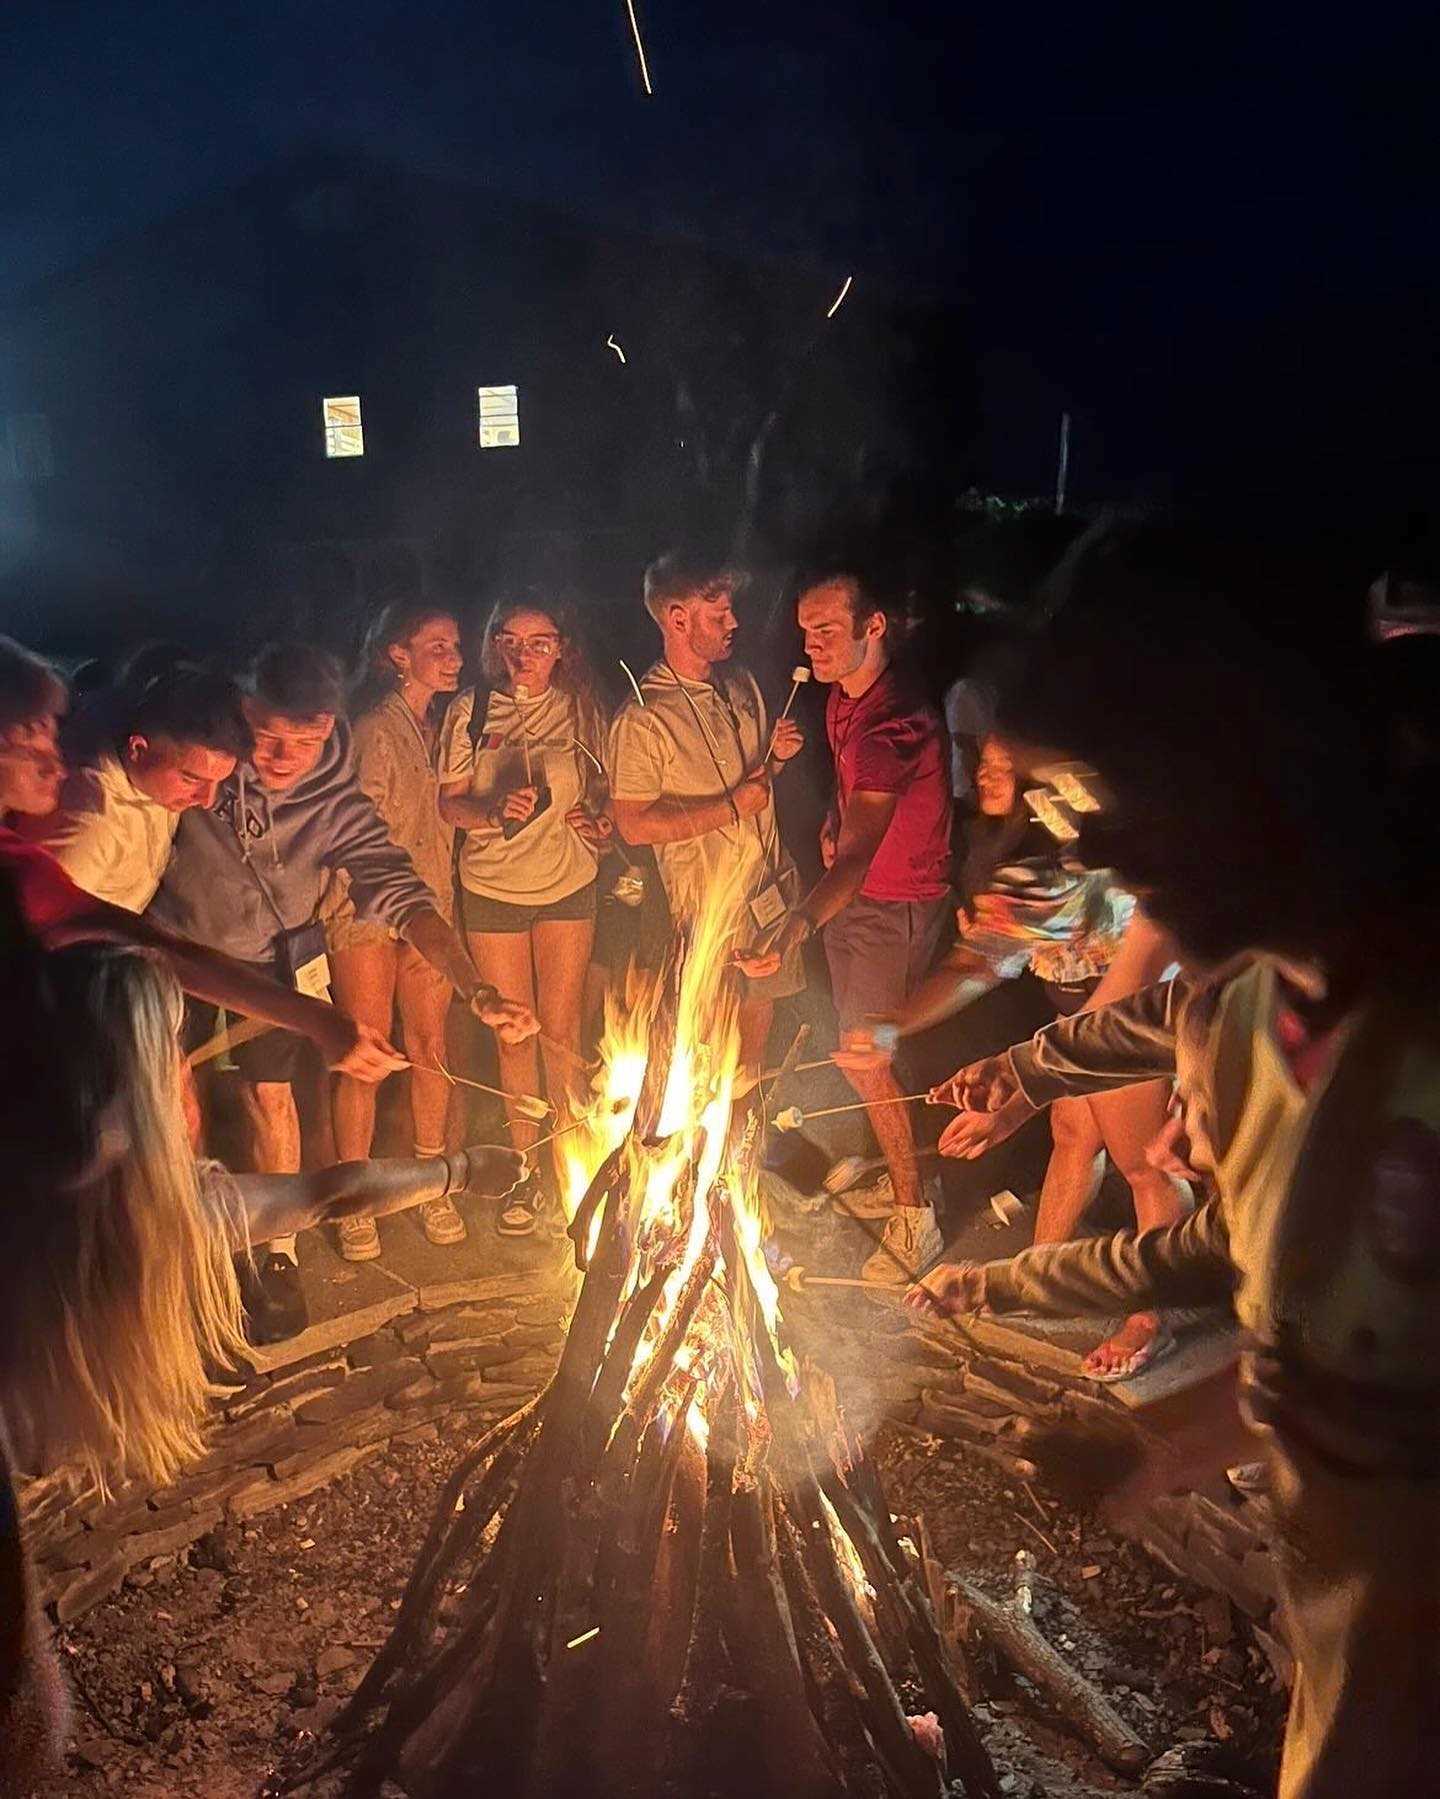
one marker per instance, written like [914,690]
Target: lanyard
[769,847]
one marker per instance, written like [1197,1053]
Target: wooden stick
[1015,1636]
[230,1038]
[522,694]
[774,1074]
[461,1080]
[863,1105]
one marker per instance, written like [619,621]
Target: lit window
[344,434]
[499,417]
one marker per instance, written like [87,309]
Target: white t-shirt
[548,860]
[110,838]
[698,740]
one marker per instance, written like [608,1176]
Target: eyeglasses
[518,646]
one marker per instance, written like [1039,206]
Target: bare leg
[1072,1175]
[364,985]
[1127,1120]
[891,1125]
[755,1019]
[562,958]
[274,1135]
[504,959]
[423,996]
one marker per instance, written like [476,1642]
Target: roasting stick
[522,694]
[529,1105]
[885,1036]
[230,1038]
[792,1117]
[798,677]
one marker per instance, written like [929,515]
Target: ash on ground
[212,1669]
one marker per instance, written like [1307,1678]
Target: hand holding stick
[798,677]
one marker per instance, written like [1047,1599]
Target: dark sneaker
[518,1210]
[273,1299]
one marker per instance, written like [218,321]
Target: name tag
[313,977]
[302,959]
[767,907]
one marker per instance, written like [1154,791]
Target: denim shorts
[501,917]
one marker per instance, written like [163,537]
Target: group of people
[1209,844]
[336,862]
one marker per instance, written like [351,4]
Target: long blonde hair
[118,1294]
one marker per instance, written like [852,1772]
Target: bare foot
[1137,1343]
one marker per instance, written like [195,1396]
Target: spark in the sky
[840,297]
[611,344]
[639,46]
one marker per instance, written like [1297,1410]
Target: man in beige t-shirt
[115,826]
[690,773]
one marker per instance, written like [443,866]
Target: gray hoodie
[253,842]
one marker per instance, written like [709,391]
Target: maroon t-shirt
[892,740]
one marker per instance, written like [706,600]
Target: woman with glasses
[520,776]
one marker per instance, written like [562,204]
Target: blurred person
[691,766]
[1026,906]
[413,659]
[117,1259]
[884,902]
[173,743]
[32,773]
[248,874]
[520,776]
[1268,796]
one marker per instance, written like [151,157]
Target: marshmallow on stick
[798,677]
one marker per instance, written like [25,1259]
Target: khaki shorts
[879,951]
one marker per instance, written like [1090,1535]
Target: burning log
[672,1574]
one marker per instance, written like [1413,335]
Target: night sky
[1207,232]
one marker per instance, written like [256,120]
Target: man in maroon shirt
[884,901]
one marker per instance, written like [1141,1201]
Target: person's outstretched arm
[348,1047]
[1179,1264]
[277,1205]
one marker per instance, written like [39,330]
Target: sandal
[1160,1345]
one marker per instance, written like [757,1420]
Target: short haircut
[297,680]
[192,705]
[679,575]
[29,687]
[864,597]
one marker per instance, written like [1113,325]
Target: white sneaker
[359,1239]
[442,1222]
[875,1200]
[912,1242]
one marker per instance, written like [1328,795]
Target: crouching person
[118,1289]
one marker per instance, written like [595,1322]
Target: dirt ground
[212,1668]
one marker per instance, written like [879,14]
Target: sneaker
[518,1209]
[274,1301]
[359,1239]
[443,1223]
[874,1199]
[912,1242]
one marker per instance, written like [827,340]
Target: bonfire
[674,1571]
